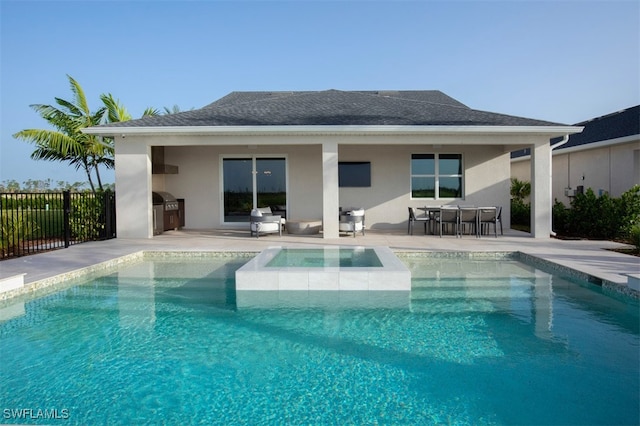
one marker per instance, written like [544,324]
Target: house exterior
[310,153]
[604,157]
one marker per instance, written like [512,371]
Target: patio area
[589,257]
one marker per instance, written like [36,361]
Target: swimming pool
[478,342]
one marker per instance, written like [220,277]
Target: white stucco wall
[386,201]
[133,204]
[486,181]
[199,183]
[614,169]
[198,157]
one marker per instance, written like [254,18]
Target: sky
[561,61]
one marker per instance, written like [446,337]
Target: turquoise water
[322,258]
[477,342]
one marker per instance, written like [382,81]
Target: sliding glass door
[250,182]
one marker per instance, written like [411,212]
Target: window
[354,174]
[249,182]
[436,176]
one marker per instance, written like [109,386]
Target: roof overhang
[324,130]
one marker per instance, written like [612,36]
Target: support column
[330,195]
[134,207]
[541,190]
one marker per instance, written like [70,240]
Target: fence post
[66,206]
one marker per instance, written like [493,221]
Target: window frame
[253,158]
[436,176]
[342,178]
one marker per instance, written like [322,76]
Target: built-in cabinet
[181,220]
[171,220]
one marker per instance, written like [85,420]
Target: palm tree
[520,189]
[116,112]
[67,142]
[173,110]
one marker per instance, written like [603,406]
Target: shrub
[634,236]
[601,217]
[84,220]
[629,210]
[14,229]
[560,218]
[520,213]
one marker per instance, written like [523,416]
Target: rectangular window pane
[423,164]
[271,181]
[450,187]
[238,189]
[423,187]
[450,164]
[354,174]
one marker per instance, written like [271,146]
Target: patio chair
[268,211]
[486,217]
[468,216]
[449,216]
[413,219]
[352,221]
[265,224]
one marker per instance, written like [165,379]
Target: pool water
[326,258]
[477,342]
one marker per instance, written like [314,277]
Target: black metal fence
[35,222]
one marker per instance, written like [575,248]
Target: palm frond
[57,118]
[150,112]
[55,141]
[78,95]
[116,112]
[44,153]
[97,118]
[175,109]
[72,109]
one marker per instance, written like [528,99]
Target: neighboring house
[604,157]
[309,153]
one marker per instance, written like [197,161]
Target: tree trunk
[88,172]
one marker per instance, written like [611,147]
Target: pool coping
[59,281]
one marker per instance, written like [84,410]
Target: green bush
[600,217]
[85,216]
[634,236]
[560,218]
[629,210]
[520,213]
[50,222]
[14,229]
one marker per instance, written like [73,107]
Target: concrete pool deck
[589,257]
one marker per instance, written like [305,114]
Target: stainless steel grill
[165,199]
[166,212]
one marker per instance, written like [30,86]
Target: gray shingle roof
[334,107]
[611,126]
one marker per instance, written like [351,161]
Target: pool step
[463,298]
[470,293]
